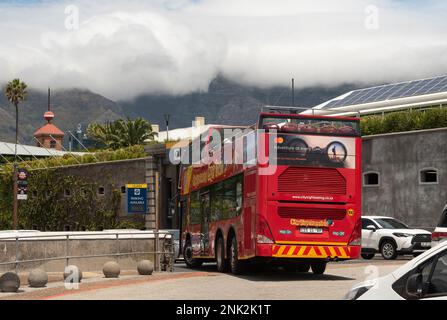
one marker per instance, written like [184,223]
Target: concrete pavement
[206,283]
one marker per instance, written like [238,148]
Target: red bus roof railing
[300,112]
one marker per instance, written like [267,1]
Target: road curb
[102,283]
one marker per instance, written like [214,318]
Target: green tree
[121,133]
[15,92]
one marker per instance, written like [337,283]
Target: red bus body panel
[287,200]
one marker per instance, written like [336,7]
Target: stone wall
[111,176]
[55,249]
[399,158]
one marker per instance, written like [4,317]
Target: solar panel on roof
[428,85]
[392,91]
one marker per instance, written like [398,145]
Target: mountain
[225,102]
[71,107]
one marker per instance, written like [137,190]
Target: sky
[126,48]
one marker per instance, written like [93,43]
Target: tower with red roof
[49,136]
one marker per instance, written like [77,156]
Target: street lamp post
[15,201]
[167,117]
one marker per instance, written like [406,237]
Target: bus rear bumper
[308,251]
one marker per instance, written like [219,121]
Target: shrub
[404,121]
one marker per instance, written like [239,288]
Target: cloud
[123,49]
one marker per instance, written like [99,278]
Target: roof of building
[8,149]
[389,97]
[49,129]
[189,133]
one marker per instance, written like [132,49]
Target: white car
[424,277]
[391,238]
[440,233]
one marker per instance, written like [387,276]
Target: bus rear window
[312,126]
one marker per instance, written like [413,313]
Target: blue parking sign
[136,198]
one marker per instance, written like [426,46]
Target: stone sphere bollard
[145,267]
[74,273]
[9,282]
[111,269]
[37,278]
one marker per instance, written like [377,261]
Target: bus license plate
[311,230]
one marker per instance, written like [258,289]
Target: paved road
[206,283]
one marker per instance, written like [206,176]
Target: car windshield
[391,224]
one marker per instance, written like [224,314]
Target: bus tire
[222,262]
[189,260]
[319,267]
[303,267]
[368,256]
[236,265]
[296,267]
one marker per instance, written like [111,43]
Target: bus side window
[184,212]
[228,204]
[232,200]
[217,192]
[239,193]
[195,216]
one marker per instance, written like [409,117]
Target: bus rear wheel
[236,265]
[319,267]
[222,262]
[368,256]
[189,260]
[297,267]
[303,267]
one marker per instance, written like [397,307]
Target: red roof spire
[49,128]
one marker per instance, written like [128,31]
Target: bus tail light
[264,233]
[356,237]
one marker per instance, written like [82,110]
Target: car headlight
[356,293]
[402,235]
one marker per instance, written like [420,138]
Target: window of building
[67,193]
[67,227]
[101,190]
[34,194]
[428,176]
[371,179]
[123,189]
[52,144]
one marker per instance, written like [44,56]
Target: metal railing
[164,254]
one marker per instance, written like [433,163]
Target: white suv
[391,237]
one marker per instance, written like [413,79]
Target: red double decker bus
[299,209]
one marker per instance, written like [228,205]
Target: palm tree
[136,132]
[15,92]
[121,134]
